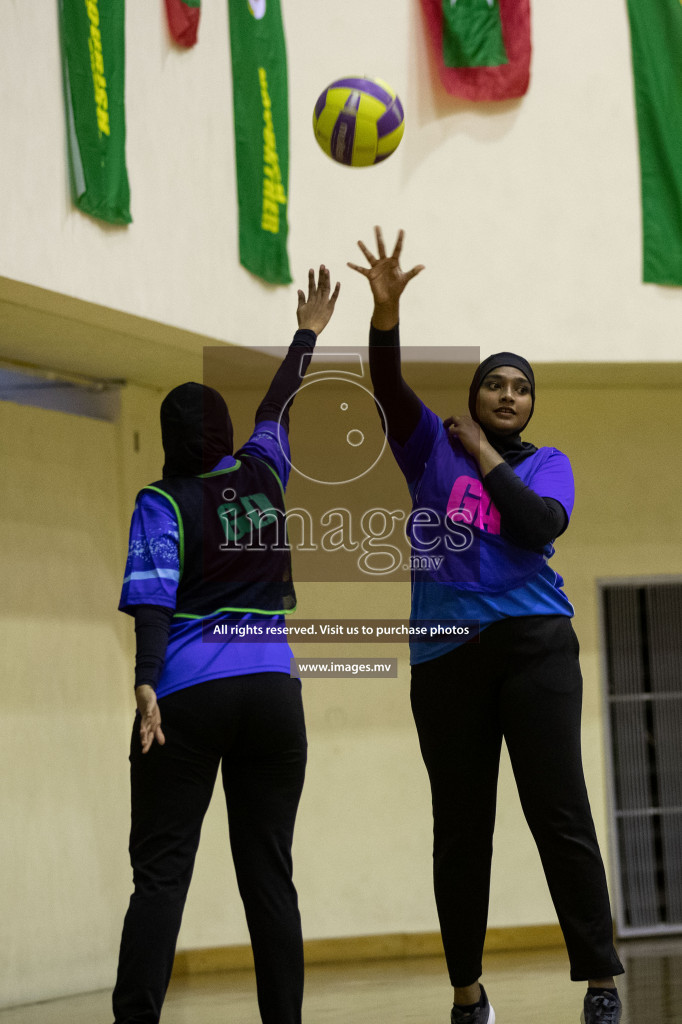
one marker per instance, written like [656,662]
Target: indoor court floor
[525,988]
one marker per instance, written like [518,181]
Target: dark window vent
[642,630]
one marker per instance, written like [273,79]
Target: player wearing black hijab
[204,705]
[520,681]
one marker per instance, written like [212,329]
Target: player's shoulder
[268,446]
[548,459]
[264,465]
[155,499]
[547,453]
[428,428]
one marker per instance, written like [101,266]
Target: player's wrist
[314,327]
[488,459]
[386,315]
[309,329]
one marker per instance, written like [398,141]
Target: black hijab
[510,446]
[196,430]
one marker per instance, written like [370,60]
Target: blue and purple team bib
[472,572]
[152,575]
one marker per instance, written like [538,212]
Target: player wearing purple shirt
[152,575]
[480,576]
[206,541]
[490,506]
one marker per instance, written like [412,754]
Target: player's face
[504,400]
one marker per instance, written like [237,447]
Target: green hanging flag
[261,130]
[656,36]
[93,59]
[472,34]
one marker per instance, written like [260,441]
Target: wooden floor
[531,988]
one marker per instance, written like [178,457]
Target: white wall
[65,694]
[526,214]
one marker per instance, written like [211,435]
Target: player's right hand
[150,717]
[315,311]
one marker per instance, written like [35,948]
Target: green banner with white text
[656,36]
[93,59]
[261,130]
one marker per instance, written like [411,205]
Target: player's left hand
[315,311]
[467,431]
[150,717]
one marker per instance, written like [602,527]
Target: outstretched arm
[400,407]
[313,313]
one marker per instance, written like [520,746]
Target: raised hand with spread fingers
[386,279]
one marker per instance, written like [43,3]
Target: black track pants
[254,724]
[522,681]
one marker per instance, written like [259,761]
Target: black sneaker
[481,1015]
[601,1008]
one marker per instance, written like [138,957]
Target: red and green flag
[482,47]
[261,130]
[656,38]
[93,61]
[183,20]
